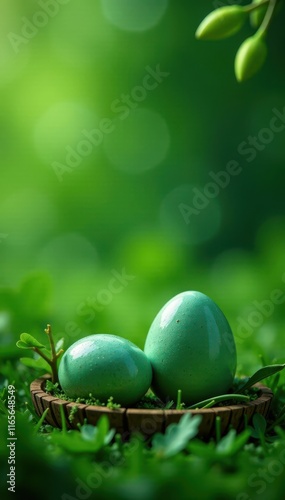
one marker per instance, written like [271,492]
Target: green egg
[105,365]
[191,347]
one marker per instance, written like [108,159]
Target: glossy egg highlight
[191,347]
[105,365]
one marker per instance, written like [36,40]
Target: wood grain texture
[146,421]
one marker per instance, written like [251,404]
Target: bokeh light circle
[66,254]
[139,142]
[189,216]
[134,15]
[152,255]
[58,132]
[80,38]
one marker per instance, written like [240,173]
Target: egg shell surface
[105,365]
[191,347]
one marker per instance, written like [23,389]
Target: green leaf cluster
[89,439]
[94,462]
[176,436]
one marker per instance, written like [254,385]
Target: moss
[149,401]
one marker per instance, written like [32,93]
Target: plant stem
[52,362]
[54,356]
[40,353]
[51,342]
[218,429]
[63,421]
[268,17]
[179,399]
[208,405]
[211,401]
[253,6]
[38,425]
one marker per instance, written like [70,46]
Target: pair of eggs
[189,346]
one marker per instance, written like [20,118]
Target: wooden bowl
[147,422]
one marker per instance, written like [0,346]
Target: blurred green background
[112,117]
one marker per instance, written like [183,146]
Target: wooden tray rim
[37,386]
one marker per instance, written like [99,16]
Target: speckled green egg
[105,365]
[191,347]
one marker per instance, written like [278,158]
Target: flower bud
[250,57]
[222,23]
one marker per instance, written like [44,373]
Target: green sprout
[50,357]
[179,404]
[226,21]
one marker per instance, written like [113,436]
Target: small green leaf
[217,399]
[89,432]
[250,57]
[90,439]
[240,440]
[22,345]
[231,443]
[228,446]
[176,436]
[30,340]
[99,434]
[104,429]
[262,373]
[259,426]
[222,23]
[226,443]
[259,422]
[38,364]
[41,420]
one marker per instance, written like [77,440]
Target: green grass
[94,462]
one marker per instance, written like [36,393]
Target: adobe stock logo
[260,312]
[83,490]
[104,297]
[264,476]
[31,27]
